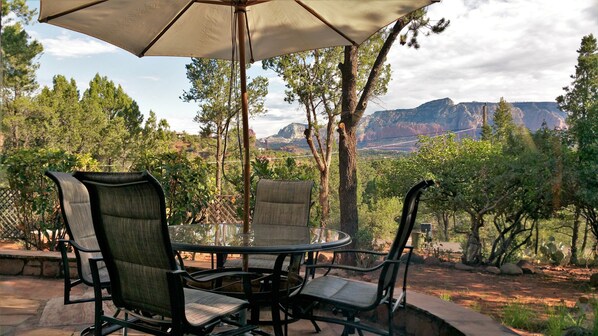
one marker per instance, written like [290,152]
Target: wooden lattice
[9,221]
[223,209]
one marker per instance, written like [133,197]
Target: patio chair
[350,297]
[277,203]
[76,213]
[130,223]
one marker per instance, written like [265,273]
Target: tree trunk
[575,236]
[584,243]
[324,192]
[219,156]
[347,152]
[473,251]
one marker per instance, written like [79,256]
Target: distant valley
[397,130]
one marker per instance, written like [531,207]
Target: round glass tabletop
[229,238]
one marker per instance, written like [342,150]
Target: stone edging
[34,263]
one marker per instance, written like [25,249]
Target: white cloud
[150,78]
[67,46]
[523,50]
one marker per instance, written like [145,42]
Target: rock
[594,280]
[576,331]
[527,267]
[493,270]
[432,261]
[415,258]
[447,264]
[583,304]
[463,267]
[511,269]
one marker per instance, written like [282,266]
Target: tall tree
[63,124]
[353,106]
[18,65]
[154,139]
[580,101]
[117,117]
[212,88]
[503,125]
[313,79]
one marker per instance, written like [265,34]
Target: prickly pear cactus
[552,251]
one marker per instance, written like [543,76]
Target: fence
[9,221]
[222,209]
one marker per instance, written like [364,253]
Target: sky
[522,50]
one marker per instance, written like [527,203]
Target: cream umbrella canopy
[236,30]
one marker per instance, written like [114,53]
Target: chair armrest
[345,267]
[360,251]
[77,246]
[211,275]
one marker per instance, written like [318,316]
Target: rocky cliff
[398,129]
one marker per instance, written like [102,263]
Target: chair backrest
[130,222]
[407,221]
[282,203]
[76,213]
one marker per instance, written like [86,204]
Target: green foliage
[553,252]
[37,201]
[503,121]
[561,318]
[186,183]
[518,316]
[445,296]
[19,51]
[580,101]
[213,89]
[378,221]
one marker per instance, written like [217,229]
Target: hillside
[398,129]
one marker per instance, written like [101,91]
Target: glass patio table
[282,241]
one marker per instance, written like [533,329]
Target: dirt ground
[489,293]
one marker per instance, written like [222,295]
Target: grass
[445,296]
[518,316]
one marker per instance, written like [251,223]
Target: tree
[580,101]
[353,107]
[503,125]
[313,79]
[18,61]
[155,137]
[117,117]
[63,124]
[212,88]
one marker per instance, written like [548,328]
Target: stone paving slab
[32,306]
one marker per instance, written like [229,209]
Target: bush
[186,183]
[37,198]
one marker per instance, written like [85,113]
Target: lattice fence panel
[223,210]
[9,222]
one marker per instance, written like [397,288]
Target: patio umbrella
[237,30]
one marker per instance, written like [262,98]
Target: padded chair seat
[257,261]
[331,288]
[202,307]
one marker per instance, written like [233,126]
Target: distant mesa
[398,129]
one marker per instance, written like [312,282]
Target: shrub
[37,199]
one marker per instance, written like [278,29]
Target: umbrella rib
[55,16]
[165,29]
[319,17]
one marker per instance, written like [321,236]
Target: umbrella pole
[245,115]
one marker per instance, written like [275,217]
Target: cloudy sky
[522,50]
